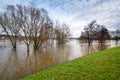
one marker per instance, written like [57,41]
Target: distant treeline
[94,31]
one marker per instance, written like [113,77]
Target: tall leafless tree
[35,24]
[89,32]
[9,24]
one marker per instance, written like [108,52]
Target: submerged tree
[117,34]
[8,22]
[28,23]
[35,24]
[102,33]
[44,34]
[94,31]
[62,33]
[88,33]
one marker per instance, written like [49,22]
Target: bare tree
[9,24]
[62,33]
[103,33]
[46,33]
[24,22]
[116,34]
[35,24]
[94,31]
[89,32]
[28,23]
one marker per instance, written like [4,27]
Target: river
[18,63]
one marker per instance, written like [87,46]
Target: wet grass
[103,65]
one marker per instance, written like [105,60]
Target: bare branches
[62,33]
[9,24]
[94,31]
[116,34]
[32,25]
[28,23]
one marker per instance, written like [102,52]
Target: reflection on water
[18,63]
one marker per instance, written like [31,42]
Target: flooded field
[18,63]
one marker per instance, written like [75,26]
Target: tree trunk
[28,49]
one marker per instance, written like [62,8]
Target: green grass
[104,65]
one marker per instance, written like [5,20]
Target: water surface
[18,63]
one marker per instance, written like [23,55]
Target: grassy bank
[104,65]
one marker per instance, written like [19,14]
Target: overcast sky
[77,13]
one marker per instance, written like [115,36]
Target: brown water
[16,64]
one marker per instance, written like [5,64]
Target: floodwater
[18,63]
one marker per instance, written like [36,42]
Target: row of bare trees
[31,25]
[94,31]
